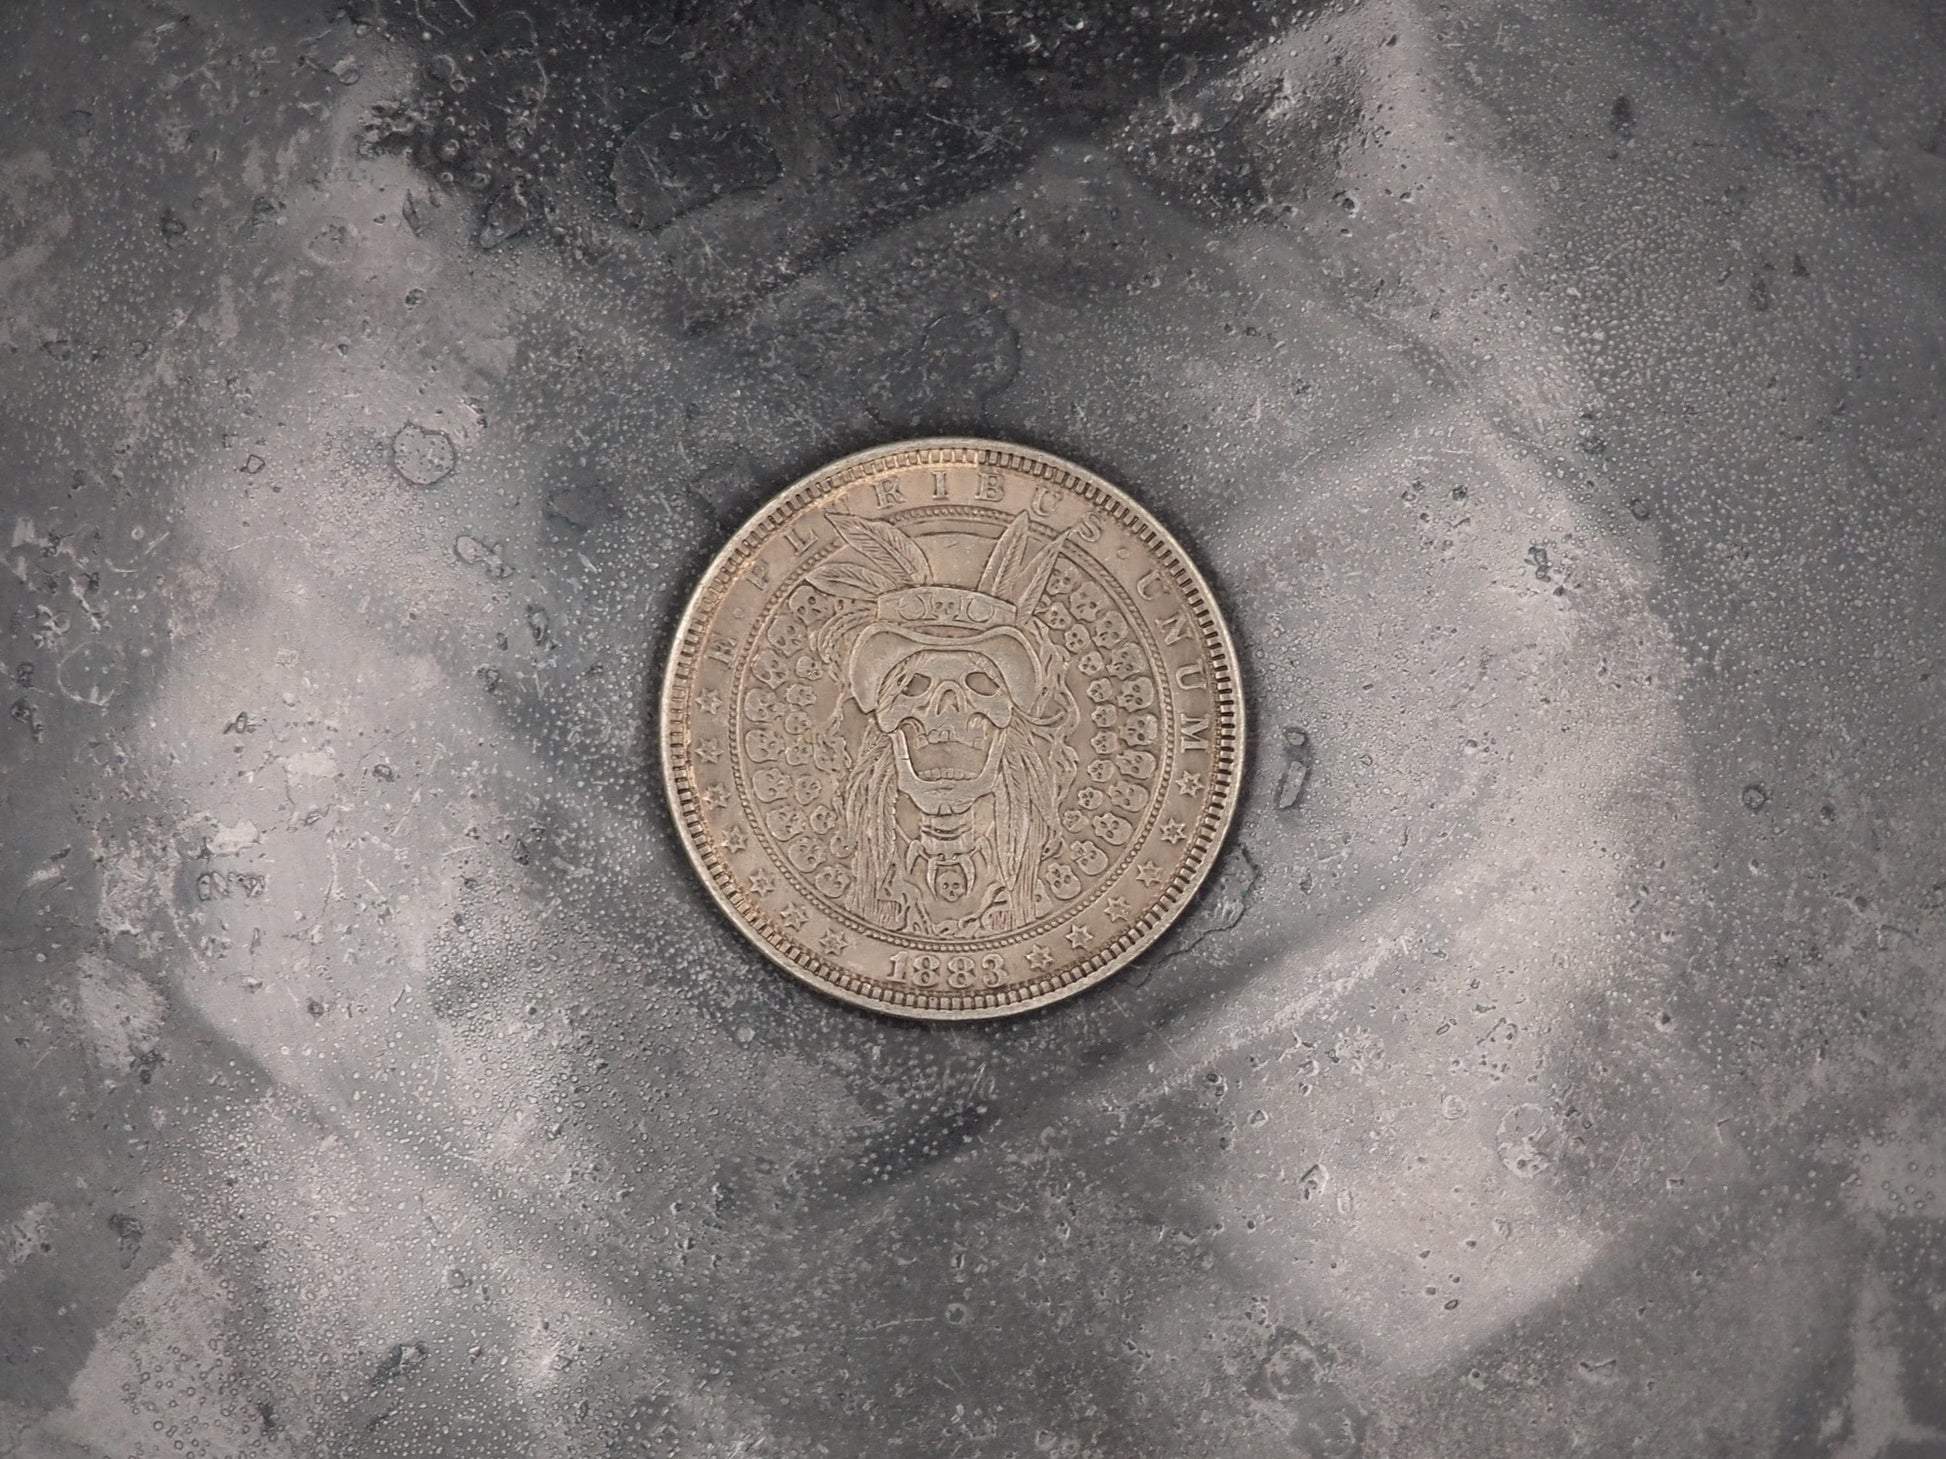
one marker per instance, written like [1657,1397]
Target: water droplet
[334,243]
[423,456]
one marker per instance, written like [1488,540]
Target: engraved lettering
[1189,677]
[1088,529]
[1195,730]
[723,650]
[760,575]
[960,970]
[939,492]
[1149,586]
[991,485]
[1175,628]
[1043,502]
[800,537]
[889,492]
[921,969]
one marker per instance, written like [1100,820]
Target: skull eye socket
[981,682]
[915,684]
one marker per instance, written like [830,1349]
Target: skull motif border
[952,729]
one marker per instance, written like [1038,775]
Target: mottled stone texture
[1551,391]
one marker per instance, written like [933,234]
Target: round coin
[952,729]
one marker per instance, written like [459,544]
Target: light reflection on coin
[952,729]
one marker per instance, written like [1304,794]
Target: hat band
[945,607]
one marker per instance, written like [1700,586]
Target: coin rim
[1218,835]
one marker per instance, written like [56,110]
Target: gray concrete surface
[1552,392]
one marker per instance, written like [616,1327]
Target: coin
[952,729]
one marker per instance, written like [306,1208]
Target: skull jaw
[949,794]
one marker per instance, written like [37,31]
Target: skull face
[945,709]
[950,881]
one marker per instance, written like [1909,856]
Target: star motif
[1115,908]
[735,840]
[835,940]
[714,797]
[1038,958]
[762,882]
[708,751]
[1189,782]
[710,702]
[1079,936]
[1173,831]
[1148,873]
[792,917]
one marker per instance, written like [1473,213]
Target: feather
[1032,579]
[1016,779]
[848,580]
[895,555]
[1005,559]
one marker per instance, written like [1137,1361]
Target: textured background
[1552,393]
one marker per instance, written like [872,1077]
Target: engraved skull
[956,782]
[946,708]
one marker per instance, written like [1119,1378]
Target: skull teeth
[949,753]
